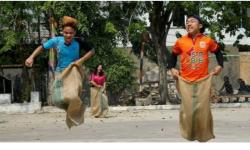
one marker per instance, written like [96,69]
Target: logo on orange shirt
[202,44]
[196,59]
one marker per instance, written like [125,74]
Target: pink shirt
[98,79]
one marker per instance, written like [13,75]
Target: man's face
[68,33]
[193,26]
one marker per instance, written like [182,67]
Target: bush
[119,69]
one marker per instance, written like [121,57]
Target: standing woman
[68,74]
[99,101]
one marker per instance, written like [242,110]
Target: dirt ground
[230,125]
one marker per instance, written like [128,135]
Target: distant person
[243,89]
[226,87]
[99,101]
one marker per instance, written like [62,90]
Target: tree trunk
[161,58]
[160,18]
[52,62]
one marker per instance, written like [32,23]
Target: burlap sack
[99,102]
[67,89]
[196,122]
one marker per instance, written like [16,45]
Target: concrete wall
[20,108]
[5,98]
[231,68]
[245,66]
[32,107]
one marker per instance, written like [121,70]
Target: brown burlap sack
[99,102]
[67,89]
[196,122]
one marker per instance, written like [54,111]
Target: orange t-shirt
[194,55]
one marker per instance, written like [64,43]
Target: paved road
[230,125]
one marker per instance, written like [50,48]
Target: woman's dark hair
[101,73]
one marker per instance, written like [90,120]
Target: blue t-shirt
[66,54]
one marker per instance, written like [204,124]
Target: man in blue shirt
[67,48]
[67,88]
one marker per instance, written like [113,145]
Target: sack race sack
[195,118]
[99,102]
[67,89]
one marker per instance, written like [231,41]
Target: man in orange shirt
[194,81]
[193,49]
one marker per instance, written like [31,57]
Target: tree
[107,23]
[218,16]
[17,24]
[98,25]
[225,17]
[160,17]
[21,20]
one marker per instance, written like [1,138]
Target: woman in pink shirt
[99,101]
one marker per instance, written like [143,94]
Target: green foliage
[120,73]
[228,16]
[105,24]
[102,31]
[17,22]
[122,15]
[110,28]
[135,30]
[221,17]
[118,66]
[78,10]
[9,39]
